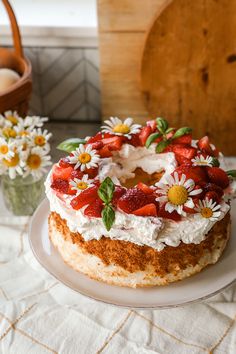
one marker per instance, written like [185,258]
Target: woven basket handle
[14,28]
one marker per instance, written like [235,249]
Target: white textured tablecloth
[40,315]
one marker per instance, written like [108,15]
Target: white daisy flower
[12,118]
[8,132]
[81,184]
[84,157]
[177,193]
[118,127]
[32,122]
[6,149]
[202,161]
[36,163]
[209,209]
[14,165]
[40,138]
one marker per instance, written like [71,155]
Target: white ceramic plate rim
[36,234]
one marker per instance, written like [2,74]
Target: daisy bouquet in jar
[24,159]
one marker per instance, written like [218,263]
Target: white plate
[207,283]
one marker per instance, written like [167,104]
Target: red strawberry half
[197,173]
[212,195]
[218,176]
[185,139]
[143,187]
[204,146]
[144,134]
[186,151]
[134,199]
[94,209]
[146,210]
[119,191]
[86,197]
[61,173]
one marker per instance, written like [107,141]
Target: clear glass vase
[22,195]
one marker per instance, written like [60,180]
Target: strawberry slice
[197,173]
[218,176]
[60,185]
[119,191]
[185,151]
[145,188]
[152,124]
[146,210]
[134,140]
[185,139]
[76,174]
[114,143]
[64,162]
[212,195]
[61,173]
[105,152]
[95,209]
[209,187]
[182,160]
[162,213]
[91,172]
[144,134]
[134,199]
[88,196]
[204,145]
[94,138]
[96,145]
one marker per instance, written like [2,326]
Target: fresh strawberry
[208,187]
[218,176]
[61,173]
[185,151]
[134,199]
[95,138]
[162,213]
[114,143]
[144,134]
[146,210]
[105,152]
[182,160]
[60,185]
[197,173]
[204,145]
[185,139]
[135,141]
[86,197]
[94,209]
[152,124]
[64,162]
[76,174]
[91,172]
[97,145]
[212,195]
[119,191]
[144,188]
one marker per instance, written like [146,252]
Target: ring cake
[139,206]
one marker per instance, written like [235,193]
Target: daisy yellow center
[9,133]
[24,133]
[39,140]
[121,128]
[4,149]
[84,157]
[12,162]
[82,185]
[177,195]
[12,119]
[206,212]
[34,161]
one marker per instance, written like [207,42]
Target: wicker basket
[18,95]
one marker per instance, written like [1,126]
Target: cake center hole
[144,177]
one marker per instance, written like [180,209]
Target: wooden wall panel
[171,58]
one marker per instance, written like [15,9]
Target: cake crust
[127,264]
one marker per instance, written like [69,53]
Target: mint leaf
[108,216]
[182,131]
[215,162]
[231,173]
[162,124]
[169,130]
[106,190]
[151,138]
[70,145]
[162,145]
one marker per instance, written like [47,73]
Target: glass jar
[22,195]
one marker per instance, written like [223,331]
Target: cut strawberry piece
[76,174]
[145,188]
[64,162]
[152,124]
[86,197]
[144,134]
[95,138]
[147,210]
[114,143]
[134,199]
[94,209]
[91,172]
[60,185]
[119,191]
[184,150]
[212,195]
[135,141]
[105,152]
[218,176]
[97,145]
[185,139]
[162,213]
[197,173]
[204,145]
[208,187]
[182,160]
[61,173]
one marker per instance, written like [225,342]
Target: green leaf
[182,131]
[162,124]
[169,130]
[151,138]
[231,173]
[108,216]
[215,162]
[106,190]
[162,145]
[70,145]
